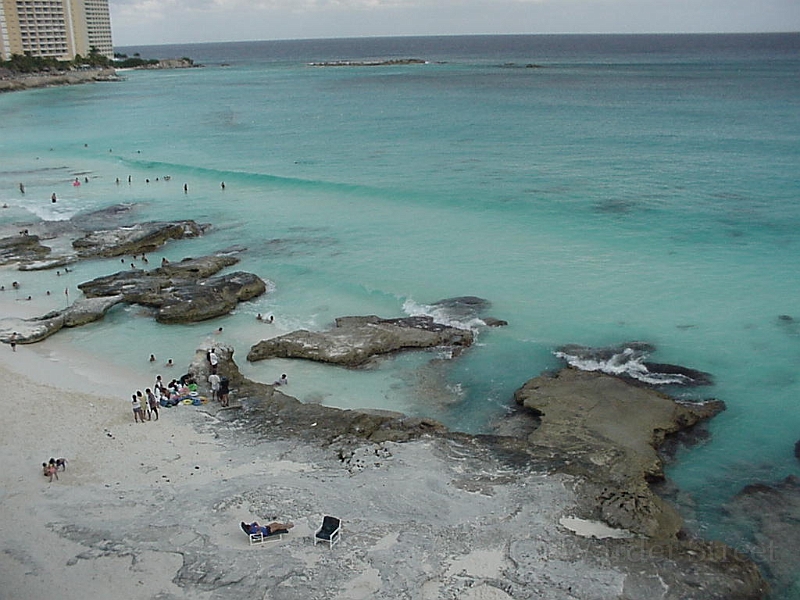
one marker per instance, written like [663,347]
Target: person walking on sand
[13,342]
[138,417]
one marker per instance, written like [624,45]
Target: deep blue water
[595,189]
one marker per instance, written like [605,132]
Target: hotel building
[54,28]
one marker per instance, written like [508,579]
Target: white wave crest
[628,363]
[55,211]
[441,315]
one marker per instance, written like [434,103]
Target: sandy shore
[152,510]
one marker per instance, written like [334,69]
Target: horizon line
[454,35]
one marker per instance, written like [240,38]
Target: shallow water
[632,188]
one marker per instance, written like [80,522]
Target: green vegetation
[21,64]
[130,63]
[24,63]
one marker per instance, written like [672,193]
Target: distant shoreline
[14,82]
[27,81]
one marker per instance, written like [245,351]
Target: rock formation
[87,236]
[78,313]
[289,418]
[473,500]
[135,239]
[22,248]
[37,80]
[468,307]
[356,340]
[607,432]
[768,514]
[182,292]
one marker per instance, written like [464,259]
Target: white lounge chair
[259,538]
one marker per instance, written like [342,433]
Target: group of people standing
[220,390]
[146,405]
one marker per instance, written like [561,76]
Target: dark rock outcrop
[607,432]
[189,302]
[628,361]
[22,248]
[181,292]
[494,322]
[277,415]
[463,306]
[356,340]
[86,236]
[468,307]
[26,81]
[135,239]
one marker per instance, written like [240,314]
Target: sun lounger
[260,538]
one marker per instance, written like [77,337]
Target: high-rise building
[55,28]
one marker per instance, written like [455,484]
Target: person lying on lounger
[270,529]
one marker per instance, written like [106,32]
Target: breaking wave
[629,361]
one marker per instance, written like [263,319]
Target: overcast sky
[144,22]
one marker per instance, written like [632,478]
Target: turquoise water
[630,188]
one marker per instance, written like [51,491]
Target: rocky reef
[463,308]
[13,83]
[569,504]
[183,292]
[81,312]
[22,248]
[83,237]
[354,341]
[134,239]
[608,432]
[767,514]
[369,63]
[187,291]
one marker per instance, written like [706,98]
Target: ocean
[595,189]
